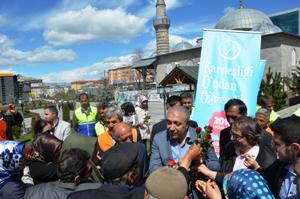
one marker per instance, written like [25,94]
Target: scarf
[11,154]
[246,183]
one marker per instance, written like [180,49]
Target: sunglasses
[232,116]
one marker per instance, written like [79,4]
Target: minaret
[161,25]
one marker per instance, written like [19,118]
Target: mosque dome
[242,19]
[266,28]
[182,46]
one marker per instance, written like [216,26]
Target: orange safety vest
[105,140]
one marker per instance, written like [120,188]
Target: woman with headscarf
[143,115]
[44,156]
[11,156]
[243,183]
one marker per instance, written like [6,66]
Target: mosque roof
[266,28]
[182,46]
[242,19]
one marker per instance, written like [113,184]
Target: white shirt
[62,130]
[240,159]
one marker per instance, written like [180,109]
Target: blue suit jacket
[161,151]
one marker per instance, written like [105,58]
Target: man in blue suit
[173,143]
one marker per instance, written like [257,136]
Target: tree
[273,86]
[34,119]
[295,81]
[66,112]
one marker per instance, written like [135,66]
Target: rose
[208,137]
[171,163]
[198,129]
[208,128]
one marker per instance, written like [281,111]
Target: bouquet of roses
[204,138]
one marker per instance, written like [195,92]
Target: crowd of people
[115,152]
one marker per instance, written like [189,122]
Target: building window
[294,58]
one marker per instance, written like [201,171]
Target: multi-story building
[80,85]
[127,76]
[121,76]
[9,88]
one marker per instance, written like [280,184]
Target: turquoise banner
[230,67]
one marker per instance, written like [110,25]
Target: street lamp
[164,93]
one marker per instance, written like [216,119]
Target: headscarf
[246,183]
[11,154]
[140,100]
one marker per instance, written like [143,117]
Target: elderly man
[106,140]
[84,118]
[262,117]
[122,133]
[173,100]
[61,129]
[173,143]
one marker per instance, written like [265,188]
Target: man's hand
[201,187]
[194,151]
[11,109]
[207,172]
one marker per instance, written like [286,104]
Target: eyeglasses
[236,137]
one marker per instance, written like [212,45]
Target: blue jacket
[161,151]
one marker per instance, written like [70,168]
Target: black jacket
[110,192]
[13,190]
[11,120]
[42,171]
[57,190]
[274,175]
[264,158]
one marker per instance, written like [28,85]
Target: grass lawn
[25,138]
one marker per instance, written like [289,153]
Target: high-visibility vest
[86,123]
[273,115]
[100,128]
[105,140]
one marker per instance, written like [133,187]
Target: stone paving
[156,110]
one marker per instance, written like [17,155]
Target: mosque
[179,65]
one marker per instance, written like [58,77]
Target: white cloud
[8,70]
[37,22]
[173,40]
[90,24]
[150,10]
[191,27]
[80,4]
[91,72]
[228,9]
[45,54]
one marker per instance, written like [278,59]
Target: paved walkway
[156,110]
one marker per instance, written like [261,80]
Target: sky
[69,40]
